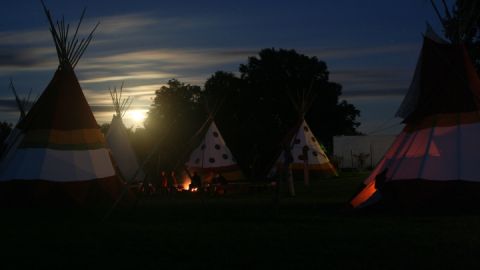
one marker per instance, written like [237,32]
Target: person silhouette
[196,181]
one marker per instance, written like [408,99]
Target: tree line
[255,110]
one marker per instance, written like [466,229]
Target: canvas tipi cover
[61,158]
[317,160]
[434,160]
[122,151]
[213,156]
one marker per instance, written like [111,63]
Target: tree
[5,129]
[174,117]
[461,24]
[273,92]
[104,128]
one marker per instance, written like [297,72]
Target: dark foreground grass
[315,230]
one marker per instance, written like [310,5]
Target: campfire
[185,185]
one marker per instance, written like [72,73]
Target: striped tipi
[434,160]
[61,160]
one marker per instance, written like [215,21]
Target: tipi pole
[306,170]
[427,149]
[371,155]
[351,157]
[291,185]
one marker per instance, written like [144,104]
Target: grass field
[314,230]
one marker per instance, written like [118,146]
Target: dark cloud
[8,105]
[18,57]
[237,52]
[388,92]
[101,108]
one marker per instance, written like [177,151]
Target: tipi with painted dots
[212,156]
[302,152]
[307,153]
[306,142]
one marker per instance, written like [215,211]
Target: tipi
[303,142]
[61,158]
[307,153]
[118,141]
[434,160]
[14,136]
[213,156]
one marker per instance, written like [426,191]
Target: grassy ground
[315,230]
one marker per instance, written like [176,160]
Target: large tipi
[213,156]
[61,158]
[118,141]
[434,160]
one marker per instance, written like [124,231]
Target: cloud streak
[141,50]
[354,51]
[372,83]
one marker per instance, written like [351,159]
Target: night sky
[370,47]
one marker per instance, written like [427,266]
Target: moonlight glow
[137,116]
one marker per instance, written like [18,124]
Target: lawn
[314,230]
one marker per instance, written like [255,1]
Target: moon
[137,116]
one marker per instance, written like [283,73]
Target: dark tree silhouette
[174,117]
[254,112]
[461,24]
[104,128]
[5,129]
[273,92]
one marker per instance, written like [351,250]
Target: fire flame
[186,184]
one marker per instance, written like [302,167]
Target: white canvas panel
[418,148]
[57,165]
[82,166]
[404,165]
[441,161]
[102,164]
